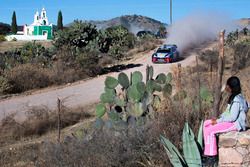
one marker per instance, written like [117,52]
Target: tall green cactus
[149,73]
[192,154]
[136,98]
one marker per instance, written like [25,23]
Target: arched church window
[43,14]
[44,22]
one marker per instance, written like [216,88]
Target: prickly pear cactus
[123,80]
[169,78]
[167,90]
[136,98]
[100,110]
[136,77]
[161,78]
[111,82]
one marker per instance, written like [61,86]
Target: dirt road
[80,93]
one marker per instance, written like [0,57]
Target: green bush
[4,85]
[2,38]
[78,35]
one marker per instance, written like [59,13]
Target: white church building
[40,29]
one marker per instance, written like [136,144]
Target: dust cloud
[198,28]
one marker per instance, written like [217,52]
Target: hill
[134,23]
[245,22]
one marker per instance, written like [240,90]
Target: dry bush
[209,58]
[26,77]
[60,74]
[241,56]
[39,121]
[105,60]
[30,76]
[131,146]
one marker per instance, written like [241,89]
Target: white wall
[26,37]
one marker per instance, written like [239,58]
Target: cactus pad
[136,77]
[123,80]
[161,78]
[100,110]
[111,82]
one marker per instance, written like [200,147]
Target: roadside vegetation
[79,51]
[120,135]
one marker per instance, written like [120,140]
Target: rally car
[166,54]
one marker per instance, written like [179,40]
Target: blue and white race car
[166,54]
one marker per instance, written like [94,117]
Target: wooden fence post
[217,96]
[199,85]
[59,108]
[178,83]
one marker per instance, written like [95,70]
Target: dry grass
[9,45]
[40,120]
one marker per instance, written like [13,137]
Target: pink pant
[209,132]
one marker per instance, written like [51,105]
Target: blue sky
[106,9]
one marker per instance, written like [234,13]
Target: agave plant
[191,148]
[136,99]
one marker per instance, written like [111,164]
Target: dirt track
[79,93]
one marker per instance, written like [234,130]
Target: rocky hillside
[245,22]
[134,23]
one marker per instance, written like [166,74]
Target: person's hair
[234,84]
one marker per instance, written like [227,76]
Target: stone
[229,165]
[234,149]
[243,151]
[246,159]
[230,156]
[244,141]
[227,142]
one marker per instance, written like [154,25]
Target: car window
[164,50]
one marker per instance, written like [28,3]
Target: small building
[40,29]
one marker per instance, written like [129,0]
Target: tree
[13,23]
[60,21]
[4,28]
[78,35]
[162,32]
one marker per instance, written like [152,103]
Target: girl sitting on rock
[233,119]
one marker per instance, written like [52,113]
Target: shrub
[241,56]
[78,35]
[26,77]
[39,120]
[2,38]
[4,85]
[210,57]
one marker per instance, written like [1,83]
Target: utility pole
[171,16]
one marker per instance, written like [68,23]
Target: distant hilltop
[245,21]
[134,23]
